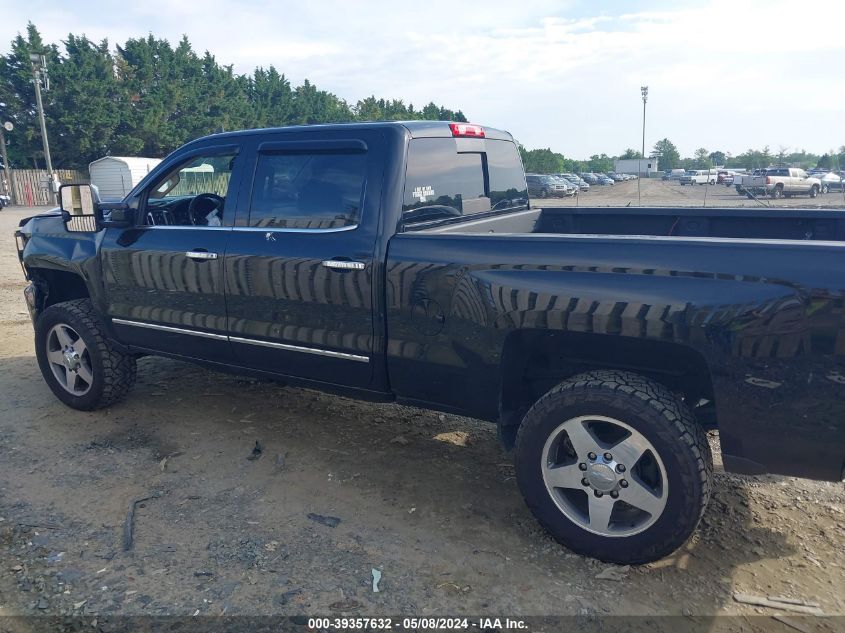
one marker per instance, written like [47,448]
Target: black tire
[113,371]
[814,191]
[777,192]
[825,189]
[655,413]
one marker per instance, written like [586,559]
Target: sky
[724,75]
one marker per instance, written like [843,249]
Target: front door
[299,268]
[164,276]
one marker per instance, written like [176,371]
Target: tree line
[546,161]
[148,97]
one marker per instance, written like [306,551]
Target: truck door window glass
[192,193]
[302,190]
[442,183]
[507,180]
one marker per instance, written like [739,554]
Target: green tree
[541,161]
[718,158]
[600,163]
[702,158]
[18,93]
[669,157]
[631,153]
[149,97]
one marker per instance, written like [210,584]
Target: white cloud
[725,75]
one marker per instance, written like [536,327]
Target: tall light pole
[6,178]
[8,185]
[39,68]
[644,92]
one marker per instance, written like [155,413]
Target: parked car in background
[605,180]
[585,186]
[698,177]
[570,188]
[5,201]
[590,177]
[576,180]
[830,181]
[546,186]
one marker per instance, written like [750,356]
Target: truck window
[443,183]
[191,194]
[304,190]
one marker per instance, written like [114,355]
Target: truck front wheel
[614,466]
[78,363]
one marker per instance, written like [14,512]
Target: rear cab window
[449,179]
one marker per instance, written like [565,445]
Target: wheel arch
[535,361]
[56,285]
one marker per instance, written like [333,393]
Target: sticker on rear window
[423,193]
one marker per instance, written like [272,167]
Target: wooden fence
[29,186]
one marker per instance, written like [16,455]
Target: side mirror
[83,210]
[78,203]
[78,199]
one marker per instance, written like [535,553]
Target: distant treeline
[546,161]
[147,98]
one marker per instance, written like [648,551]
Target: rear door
[163,277]
[299,267]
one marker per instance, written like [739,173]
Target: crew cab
[404,262]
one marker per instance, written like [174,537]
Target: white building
[644,167]
[115,176]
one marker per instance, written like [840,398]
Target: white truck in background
[779,182]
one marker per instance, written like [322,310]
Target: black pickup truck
[403,262]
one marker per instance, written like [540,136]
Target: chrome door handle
[200,255]
[337,264]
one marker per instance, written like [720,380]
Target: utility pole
[7,173]
[39,67]
[8,183]
[644,92]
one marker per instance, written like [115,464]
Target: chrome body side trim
[169,328]
[255,229]
[248,341]
[299,348]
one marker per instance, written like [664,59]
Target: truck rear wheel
[78,363]
[614,466]
[777,192]
[814,191]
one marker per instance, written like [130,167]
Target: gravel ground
[428,499]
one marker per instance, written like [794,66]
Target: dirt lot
[428,499]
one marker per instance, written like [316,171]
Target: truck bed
[756,224]
[751,298]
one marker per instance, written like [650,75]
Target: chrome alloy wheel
[605,476]
[69,359]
